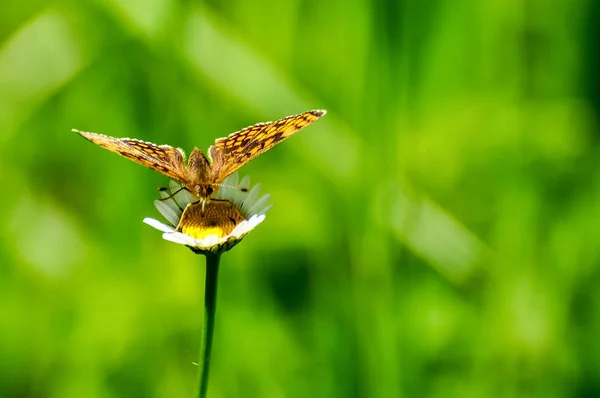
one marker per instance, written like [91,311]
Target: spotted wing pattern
[230,153]
[162,158]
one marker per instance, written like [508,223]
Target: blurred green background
[435,235]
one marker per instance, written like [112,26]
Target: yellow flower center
[218,218]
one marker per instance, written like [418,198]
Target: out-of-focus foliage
[435,235]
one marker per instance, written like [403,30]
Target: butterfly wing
[230,153]
[162,158]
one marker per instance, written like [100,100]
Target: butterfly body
[202,175]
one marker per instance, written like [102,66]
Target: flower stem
[210,306]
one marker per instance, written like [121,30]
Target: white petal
[258,204]
[238,195]
[265,209]
[240,229]
[250,199]
[164,194]
[158,225]
[245,183]
[170,202]
[207,242]
[257,219]
[178,237]
[233,179]
[167,211]
[171,237]
[225,193]
[174,186]
[246,226]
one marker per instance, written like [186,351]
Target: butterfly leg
[173,194]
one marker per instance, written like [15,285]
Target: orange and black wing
[230,153]
[162,158]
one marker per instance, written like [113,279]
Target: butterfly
[202,175]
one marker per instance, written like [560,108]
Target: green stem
[210,306]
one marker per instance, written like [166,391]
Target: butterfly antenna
[241,189]
[173,194]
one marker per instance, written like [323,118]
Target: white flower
[232,212]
